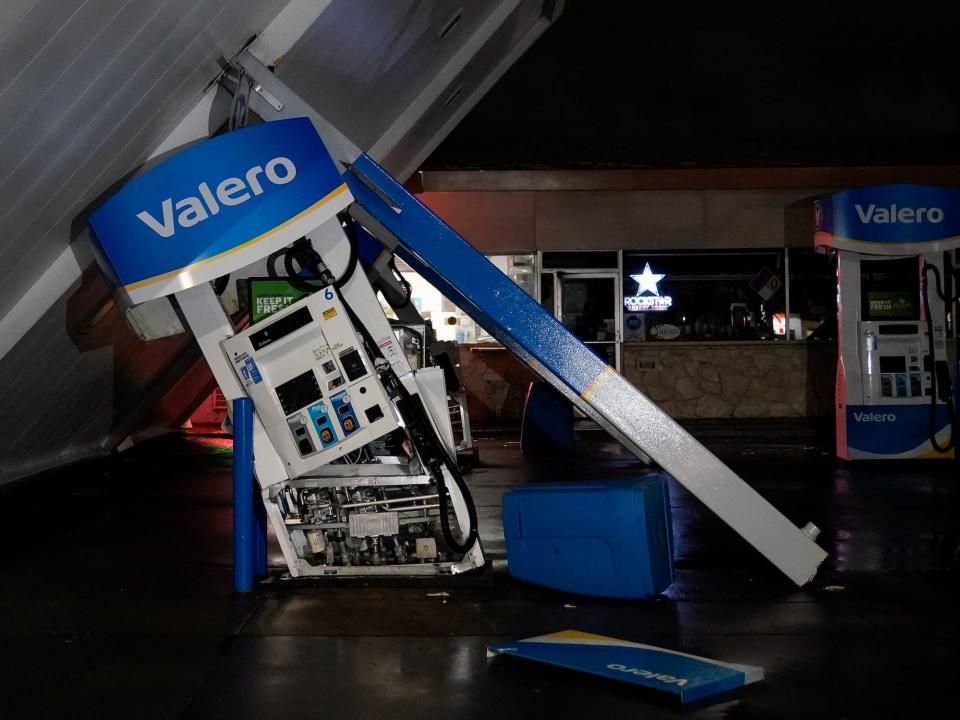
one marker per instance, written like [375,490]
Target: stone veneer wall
[710,380]
[742,380]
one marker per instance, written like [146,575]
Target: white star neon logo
[647,281]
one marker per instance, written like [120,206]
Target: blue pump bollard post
[244,520]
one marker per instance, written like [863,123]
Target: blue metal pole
[244,528]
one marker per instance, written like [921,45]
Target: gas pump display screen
[299,392]
[890,289]
[888,305]
[281,328]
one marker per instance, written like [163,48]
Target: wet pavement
[116,601]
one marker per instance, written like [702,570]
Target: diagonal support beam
[504,310]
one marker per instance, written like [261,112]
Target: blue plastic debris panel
[689,677]
[547,429]
[606,538]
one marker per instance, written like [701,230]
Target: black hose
[403,281]
[303,254]
[951,410]
[441,456]
[272,262]
[351,233]
[411,407]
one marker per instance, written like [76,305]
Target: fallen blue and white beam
[519,322]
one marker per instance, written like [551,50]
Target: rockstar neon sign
[647,283]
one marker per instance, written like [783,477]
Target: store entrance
[588,303]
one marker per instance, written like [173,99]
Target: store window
[704,296]
[813,295]
[449,321]
[581,289]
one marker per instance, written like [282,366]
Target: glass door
[588,303]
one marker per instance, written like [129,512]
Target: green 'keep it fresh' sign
[270,295]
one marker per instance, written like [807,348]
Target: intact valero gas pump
[897,285]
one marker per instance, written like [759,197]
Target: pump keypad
[900,379]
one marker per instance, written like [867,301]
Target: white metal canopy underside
[90,90]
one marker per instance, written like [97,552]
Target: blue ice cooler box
[609,538]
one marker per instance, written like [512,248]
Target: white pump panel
[311,382]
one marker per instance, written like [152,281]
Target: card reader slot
[352,364]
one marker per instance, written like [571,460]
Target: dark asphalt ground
[116,601]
